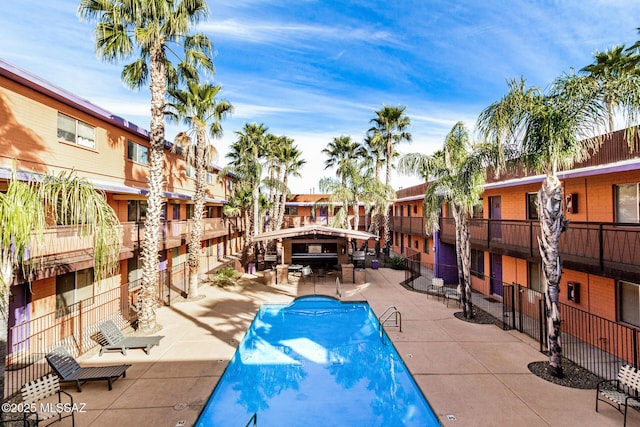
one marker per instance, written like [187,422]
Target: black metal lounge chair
[117,341]
[66,367]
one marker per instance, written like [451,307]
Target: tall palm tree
[455,174]
[28,208]
[610,74]
[141,30]
[291,161]
[551,132]
[197,107]
[390,127]
[245,154]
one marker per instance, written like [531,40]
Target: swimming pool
[317,362]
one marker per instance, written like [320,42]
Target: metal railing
[74,327]
[593,342]
[387,315]
[594,247]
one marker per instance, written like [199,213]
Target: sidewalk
[472,375]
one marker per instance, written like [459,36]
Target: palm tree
[610,74]
[291,161]
[389,129]
[456,175]
[28,208]
[142,29]
[551,132]
[343,154]
[245,154]
[197,107]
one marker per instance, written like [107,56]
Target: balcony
[293,221]
[606,249]
[65,244]
[413,225]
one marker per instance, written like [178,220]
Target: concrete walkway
[472,375]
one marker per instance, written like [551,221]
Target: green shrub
[226,276]
[398,262]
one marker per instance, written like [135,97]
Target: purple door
[496,274]
[495,213]
[19,308]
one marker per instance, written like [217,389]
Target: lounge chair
[66,367]
[117,341]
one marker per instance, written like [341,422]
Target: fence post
[543,323]
[521,315]
[81,342]
[635,348]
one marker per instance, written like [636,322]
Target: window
[478,210]
[425,248]
[190,210]
[627,203]
[408,241]
[291,210]
[477,263]
[210,178]
[137,153]
[536,280]
[532,206]
[190,171]
[76,132]
[415,209]
[134,270]
[629,302]
[408,210]
[175,211]
[136,210]
[71,288]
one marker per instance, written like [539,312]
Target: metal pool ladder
[391,313]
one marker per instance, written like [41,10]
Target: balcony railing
[292,221]
[408,225]
[604,248]
[66,240]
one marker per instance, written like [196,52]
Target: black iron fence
[593,342]
[74,327]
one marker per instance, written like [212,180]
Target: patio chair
[68,369]
[437,287]
[38,407]
[306,272]
[117,341]
[453,293]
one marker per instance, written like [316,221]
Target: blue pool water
[317,362]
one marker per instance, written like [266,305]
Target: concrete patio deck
[472,375]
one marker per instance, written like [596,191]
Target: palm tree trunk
[465,255]
[6,278]
[552,224]
[195,246]
[356,214]
[151,244]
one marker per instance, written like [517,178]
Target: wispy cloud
[280,32]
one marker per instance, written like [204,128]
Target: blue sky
[315,70]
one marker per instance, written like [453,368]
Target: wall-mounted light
[573,292]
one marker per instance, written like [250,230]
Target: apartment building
[46,129]
[600,250]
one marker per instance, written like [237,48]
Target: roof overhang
[314,230]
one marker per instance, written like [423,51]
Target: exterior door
[495,213]
[496,275]
[19,309]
